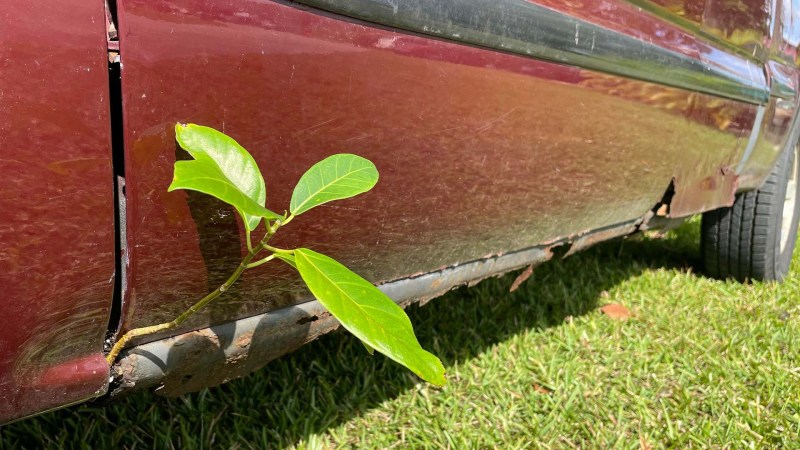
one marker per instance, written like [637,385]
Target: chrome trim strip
[781,83]
[520,27]
[751,142]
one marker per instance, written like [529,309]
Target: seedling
[223,169]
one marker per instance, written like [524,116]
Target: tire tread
[741,241]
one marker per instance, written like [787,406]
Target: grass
[700,364]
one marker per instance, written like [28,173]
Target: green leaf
[204,176]
[367,313]
[370,350]
[334,178]
[223,169]
[287,258]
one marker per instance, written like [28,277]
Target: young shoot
[223,169]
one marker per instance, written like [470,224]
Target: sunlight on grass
[702,363]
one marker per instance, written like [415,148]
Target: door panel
[480,152]
[56,204]
[610,36]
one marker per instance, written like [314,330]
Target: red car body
[501,129]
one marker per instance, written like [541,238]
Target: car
[505,132]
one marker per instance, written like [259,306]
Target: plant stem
[123,341]
[249,241]
[262,261]
[277,250]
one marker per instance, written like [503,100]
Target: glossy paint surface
[56,204]
[480,152]
[609,36]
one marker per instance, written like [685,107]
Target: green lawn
[702,363]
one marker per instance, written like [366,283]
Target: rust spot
[716,190]
[424,301]
[205,333]
[305,320]
[244,340]
[587,240]
[521,278]
[709,183]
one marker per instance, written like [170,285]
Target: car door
[57,268]
[496,126]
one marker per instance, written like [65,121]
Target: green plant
[223,169]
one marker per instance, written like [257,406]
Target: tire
[754,239]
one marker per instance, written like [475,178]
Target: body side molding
[523,28]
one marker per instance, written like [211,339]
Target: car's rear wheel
[754,239]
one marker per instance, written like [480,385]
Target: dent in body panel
[711,182]
[712,191]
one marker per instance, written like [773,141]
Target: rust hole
[307,320]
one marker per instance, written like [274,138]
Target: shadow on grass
[333,380]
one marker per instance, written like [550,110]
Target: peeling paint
[713,191]
[215,355]
[589,239]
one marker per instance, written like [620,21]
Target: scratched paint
[56,205]
[480,153]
